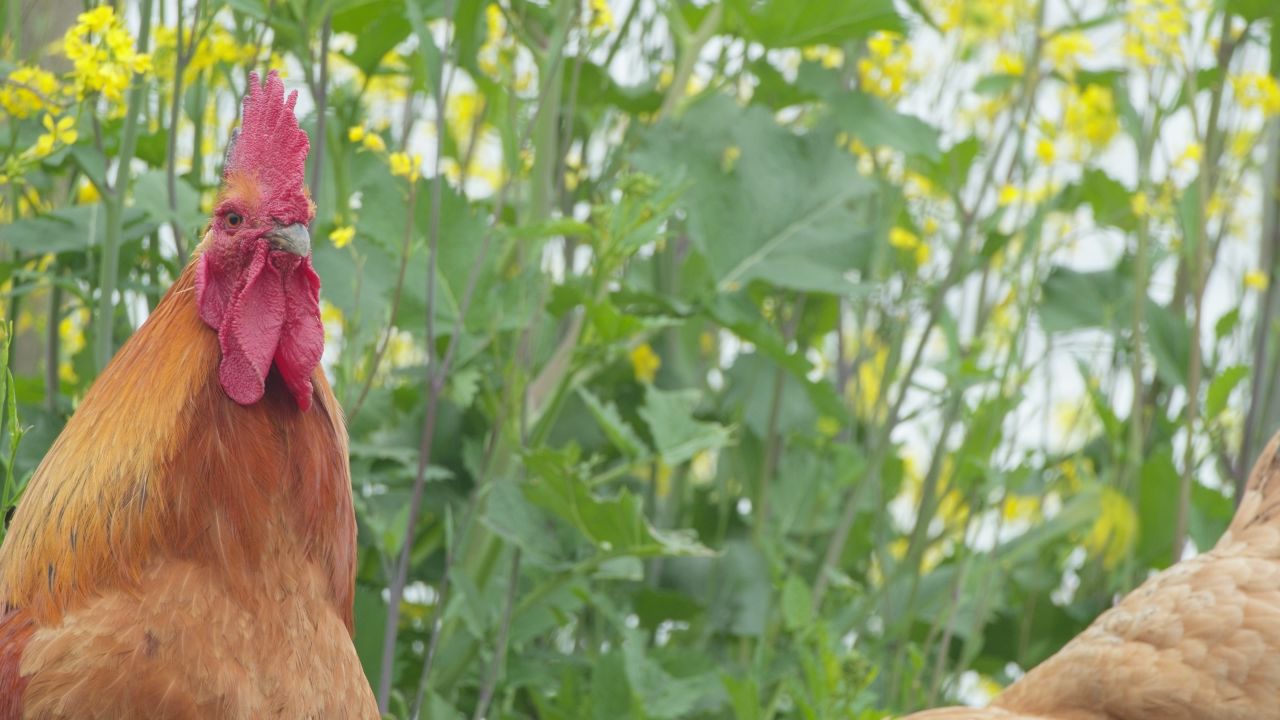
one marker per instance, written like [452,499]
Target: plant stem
[104,341]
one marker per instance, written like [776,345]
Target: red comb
[270,145]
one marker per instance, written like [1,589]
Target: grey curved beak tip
[293,239]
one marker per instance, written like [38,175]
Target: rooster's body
[187,547]
[1199,641]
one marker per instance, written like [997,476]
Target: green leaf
[869,119]
[1252,10]
[379,26]
[787,205]
[151,194]
[1220,389]
[72,228]
[1073,300]
[796,23]
[616,525]
[1227,323]
[677,435]
[1157,509]
[797,604]
[1108,197]
[614,427]
[510,516]
[663,694]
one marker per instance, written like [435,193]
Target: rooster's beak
[293,239]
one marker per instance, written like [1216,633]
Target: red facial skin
[263,302]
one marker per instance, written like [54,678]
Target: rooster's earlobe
[231,148]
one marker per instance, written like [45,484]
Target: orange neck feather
[159,463]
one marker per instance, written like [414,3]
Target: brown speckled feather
[1199,641]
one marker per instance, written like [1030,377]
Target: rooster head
[254,282]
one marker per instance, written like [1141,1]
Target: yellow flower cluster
[402,164]
[370,140]
[980,20]
[1257,91]
[342,236]
[601,16]
[1115,530]
[1155,31]
[406,166]
[27,90]
[462,112]
[1090,117]
[887,67]
[1065,50]
[645,363]
[217,47]
[103,54]
[829,57]
[910,243]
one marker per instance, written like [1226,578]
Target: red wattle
[270,315]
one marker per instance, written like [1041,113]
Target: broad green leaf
[1220,389]
[876,124]
[797,608]
[786,203]
[676,433]
[614,427]
[796,23]
[616,525]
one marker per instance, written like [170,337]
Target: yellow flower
[87,193]
[374,142]
[27,91]
[828,56]
[1257,91]
[1009,194]
[887,67]
[1064,51]
[402,165]
[645,363]
[1256,280]
[355,133]
[909,242]
[57,132]
[1140,204]
[97,19]
[601,15]
[494,23]
[341,236]
[1090,117]
[729,158]
[464,108]
[980,21]
[1193,154]
[102,54]
[1008,63]
[1046,151]
[1114,531]
[1154,31]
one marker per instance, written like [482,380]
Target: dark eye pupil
[233,219]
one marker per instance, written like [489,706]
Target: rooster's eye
[234,219]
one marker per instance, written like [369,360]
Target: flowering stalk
[104,344]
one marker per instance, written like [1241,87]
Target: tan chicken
[1200,640]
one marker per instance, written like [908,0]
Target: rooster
[187,547]
[1199,641]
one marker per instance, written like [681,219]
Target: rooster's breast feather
[163,507]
